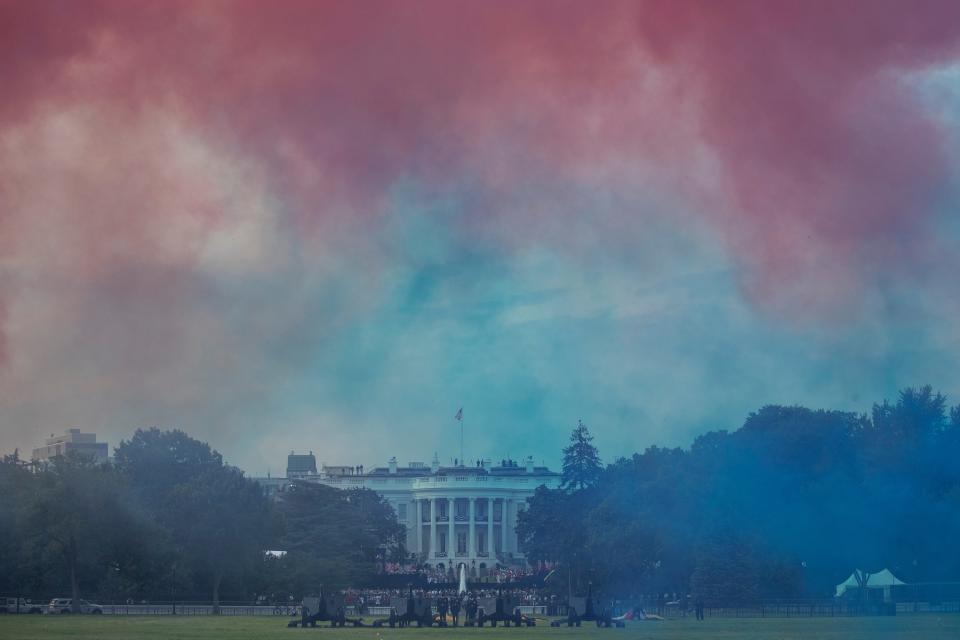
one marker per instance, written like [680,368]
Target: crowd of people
[435,575]
[364,599]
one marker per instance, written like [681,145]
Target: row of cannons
[426,612]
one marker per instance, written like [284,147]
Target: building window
[443,544]
[402,510]
[461,543]
[481,541]
[442,508]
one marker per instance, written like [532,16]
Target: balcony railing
[461,554]
[460,517]
[442,518]
[440,554]
[482,554]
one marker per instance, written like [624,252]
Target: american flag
[459,415]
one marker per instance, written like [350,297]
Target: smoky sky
[328,226]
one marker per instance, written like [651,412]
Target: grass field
[925,627]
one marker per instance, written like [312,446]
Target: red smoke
[825,161]
[831,161]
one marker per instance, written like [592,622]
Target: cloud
[236,218]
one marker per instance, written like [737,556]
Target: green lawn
[923,627]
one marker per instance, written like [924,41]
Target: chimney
[435,463]
[393,464]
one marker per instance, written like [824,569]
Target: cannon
[415,609]
[584,610]
[501,609]
[325,607]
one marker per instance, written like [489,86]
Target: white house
[456,514]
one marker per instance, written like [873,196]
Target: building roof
[401,471]
[422,472]
[521,471]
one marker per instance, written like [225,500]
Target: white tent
[876,580]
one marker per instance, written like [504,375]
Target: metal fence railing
[807,609]
[764,609]
[197,609]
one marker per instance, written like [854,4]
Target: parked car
[19,605]
[65,605]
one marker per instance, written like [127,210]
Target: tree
[740,515]
[336,535]
[726,571]
[581,463]
[16,485]
[82,517]
[157,461]
[227,524]
[643,524]
[553,527]
[548,528]
[216,523]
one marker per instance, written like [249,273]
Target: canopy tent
[876,580]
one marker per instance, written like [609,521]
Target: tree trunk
[74,587]
[71,556]
[173,587]
[217,578]
[579,581]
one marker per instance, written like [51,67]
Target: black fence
[157,608]
[805,609]
[765,609]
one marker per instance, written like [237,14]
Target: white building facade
[73,441]
[458,514]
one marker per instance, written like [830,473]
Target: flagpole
[459,418]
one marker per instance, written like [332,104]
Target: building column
[504,526]
[490,547]
[514,538]
[472,536]
[433,527]
[451,535]
[419,516]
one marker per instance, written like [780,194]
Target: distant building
[73,441]
[457,514]
[301,465]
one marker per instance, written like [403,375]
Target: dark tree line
[788,505]
[168,520]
